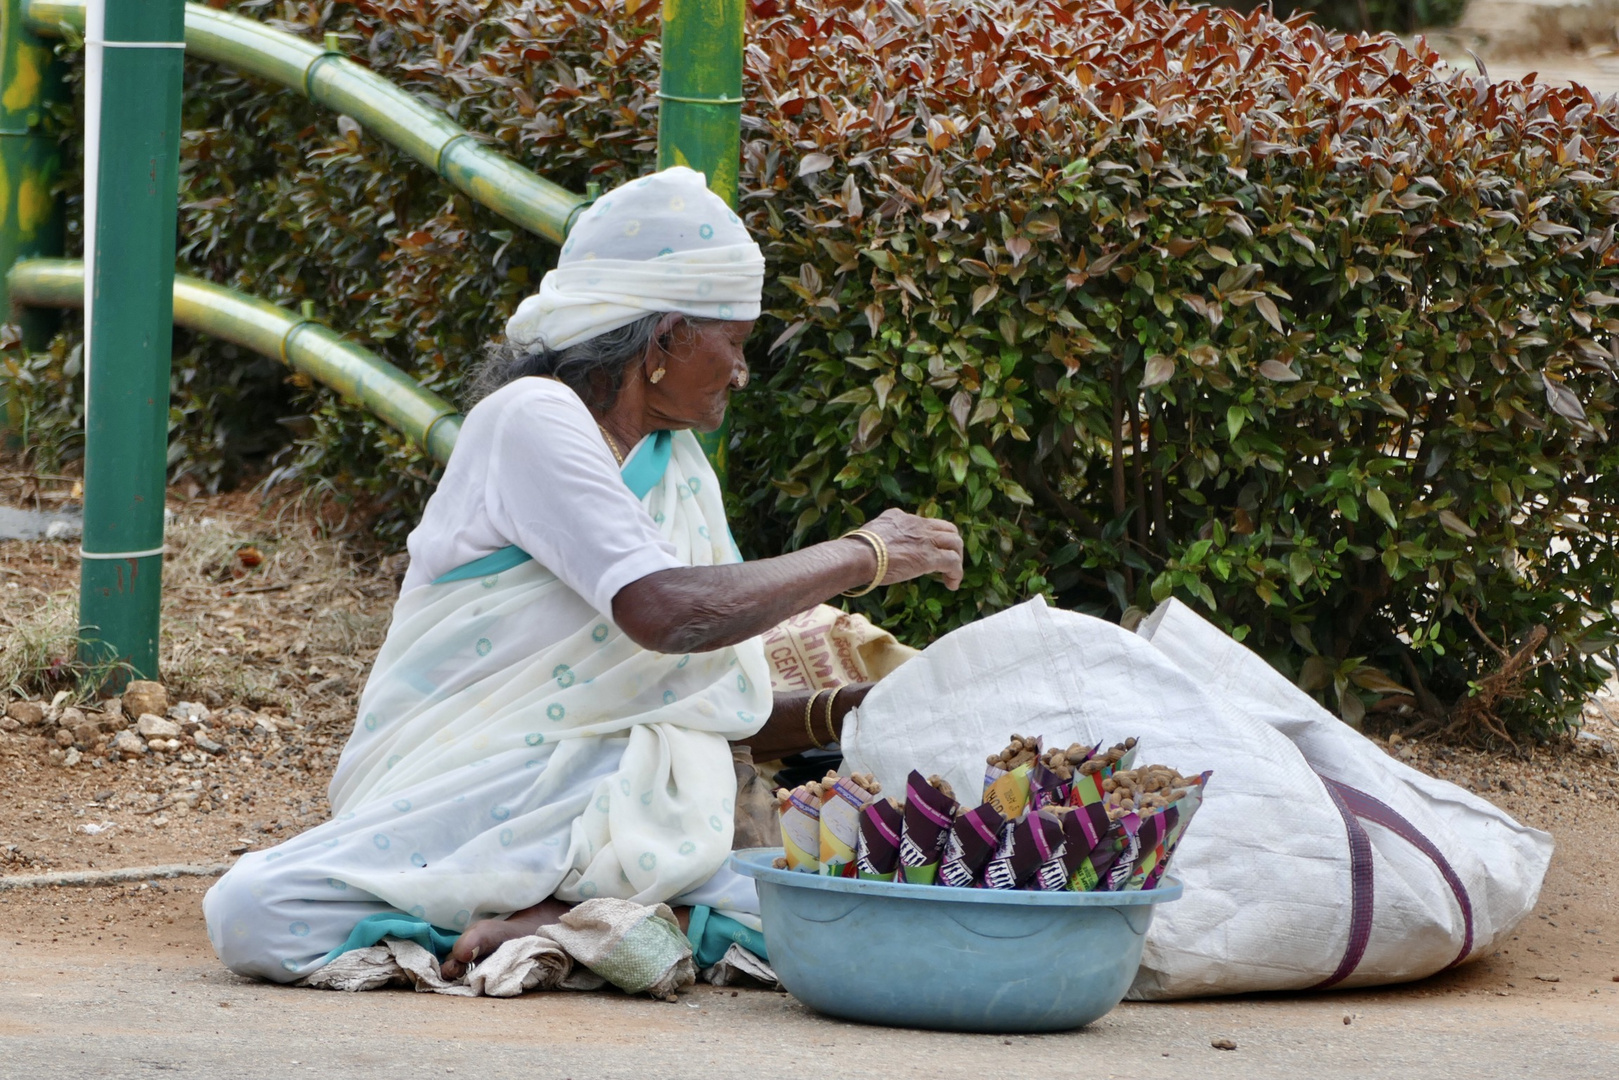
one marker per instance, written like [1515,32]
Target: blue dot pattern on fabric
[290,964]
[666,251]
[346,817]
[534,738]
[563,674]
[684,660]
[668,697]
[491,581]
[725,804]
[725,311]
[338,883]
[500,813]
[299,929]
[333,842]
[402,805]
[745,717]
[381,841]
[393,759]
[599,634]
[695,484]
[687,847]
[716,824]
[418,860]
[646,798]
[505,838]
[624,786]
[555,711]
[706,231]
[602,803]
[418,911]
[742,682]
[462,917]
[587,890]
[647,860]
[702,530]
[273,856]
[484,646]
[370,721]
[658,517]
[531,763]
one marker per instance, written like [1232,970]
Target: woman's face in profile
[703,363]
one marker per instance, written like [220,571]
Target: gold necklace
[612,444]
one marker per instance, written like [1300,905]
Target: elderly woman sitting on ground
[577,638]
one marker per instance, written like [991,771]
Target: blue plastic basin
[932,956]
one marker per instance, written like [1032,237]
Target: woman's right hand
[917,546]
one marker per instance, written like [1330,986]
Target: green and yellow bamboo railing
[699,126]
[326,77]
[30,158]
[308,347]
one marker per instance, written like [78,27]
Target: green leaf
[1454,524]
[1379,502]
[1235,417]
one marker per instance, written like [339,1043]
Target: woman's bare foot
[482,938]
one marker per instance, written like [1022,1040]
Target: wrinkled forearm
[702,608]
[785,732]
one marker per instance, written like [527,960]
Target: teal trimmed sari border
[648,463]
[507,557]
[641,474]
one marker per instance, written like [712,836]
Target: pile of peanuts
[1151,787]
[819,789]
[1020,751]
[1064,762]
[1108,758]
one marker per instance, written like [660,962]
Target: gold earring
[656,376]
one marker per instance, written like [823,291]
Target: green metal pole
[135,52]
[700,117]
[30,215]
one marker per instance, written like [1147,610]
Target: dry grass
[37,643]
[264,605]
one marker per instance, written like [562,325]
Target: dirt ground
[276,653]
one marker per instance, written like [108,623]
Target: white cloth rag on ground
[1316,859]
[638,949]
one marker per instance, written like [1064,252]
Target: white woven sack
[1273,866]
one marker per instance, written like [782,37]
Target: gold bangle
[881,549]
[831,702]
[809,719]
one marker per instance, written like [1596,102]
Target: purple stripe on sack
[991,836]
[877,822]
[930,813]
[1360,884]
[1375,810]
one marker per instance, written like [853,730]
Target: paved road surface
[167,1015]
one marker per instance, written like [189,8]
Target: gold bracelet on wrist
[881,549]
[809,719]
[831,701]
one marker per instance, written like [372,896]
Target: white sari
[590,767]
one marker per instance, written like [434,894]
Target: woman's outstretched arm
[701,608]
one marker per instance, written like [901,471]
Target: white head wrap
[663,242]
